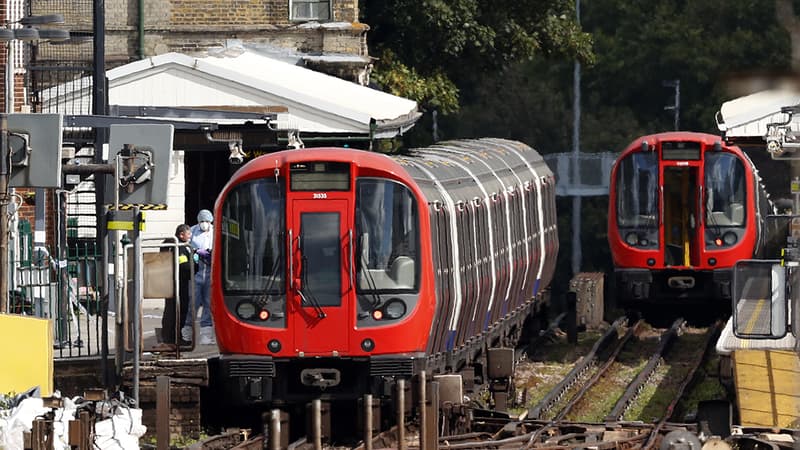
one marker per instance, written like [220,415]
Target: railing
[592,178]
[65,291]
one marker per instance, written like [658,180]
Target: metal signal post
[4,174]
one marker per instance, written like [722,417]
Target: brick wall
[192,26]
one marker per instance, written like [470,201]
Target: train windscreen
[725,187]
[387,231]
[253,238]
[637,191]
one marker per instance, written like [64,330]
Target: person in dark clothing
[168,337]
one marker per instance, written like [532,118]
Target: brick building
[320,35]
[324,35]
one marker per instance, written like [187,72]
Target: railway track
[615,380]
[627,363]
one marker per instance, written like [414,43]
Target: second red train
[683,208]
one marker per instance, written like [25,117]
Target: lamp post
[8,35]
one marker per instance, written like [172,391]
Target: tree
[428,50]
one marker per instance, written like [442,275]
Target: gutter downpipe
[140,28]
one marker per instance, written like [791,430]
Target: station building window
[301,10]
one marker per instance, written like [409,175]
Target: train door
[321,289]
[680,215]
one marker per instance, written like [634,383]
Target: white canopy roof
[316,102]
[749,116]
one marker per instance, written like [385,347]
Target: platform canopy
[748,116]
[243,79]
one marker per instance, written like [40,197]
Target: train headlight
[368,345]
[631,238]
[394,309]
[246,310]
[263,314]
[274,346]
[377,314]
[729,238]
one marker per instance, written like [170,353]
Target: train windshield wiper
[310,299]
[372,288]
[273,275]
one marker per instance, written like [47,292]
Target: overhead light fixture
[53,34]
[26,34]
[44,19]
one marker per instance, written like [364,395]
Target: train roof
[706,138]
[453,162]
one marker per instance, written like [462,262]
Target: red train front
[288,242]
[683,208]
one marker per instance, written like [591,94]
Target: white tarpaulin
[118,427]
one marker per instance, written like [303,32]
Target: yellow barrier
[26,354]
[767,387]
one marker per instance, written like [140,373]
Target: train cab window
[725,184]
[387,236]
[253,243]
[637,190]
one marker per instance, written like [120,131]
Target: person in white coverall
[202,243]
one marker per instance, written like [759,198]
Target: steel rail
[635,386]
[549,400]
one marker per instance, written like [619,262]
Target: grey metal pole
[423,423]
[401,414]
[576,145]
[316,423]
[677,118]
[367,421]
[4,174]
[9,78]
[275,430]
[137,298]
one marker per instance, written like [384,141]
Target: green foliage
[444,42]
[435,91]
[641,44]
[505,69]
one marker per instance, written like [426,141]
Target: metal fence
[65,291]
[592,177]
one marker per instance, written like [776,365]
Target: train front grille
[391,367]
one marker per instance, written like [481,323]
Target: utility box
[27,354]
[588,288]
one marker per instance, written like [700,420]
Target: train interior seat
[733,215]
[402,272]
[399,274]
[736,213]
